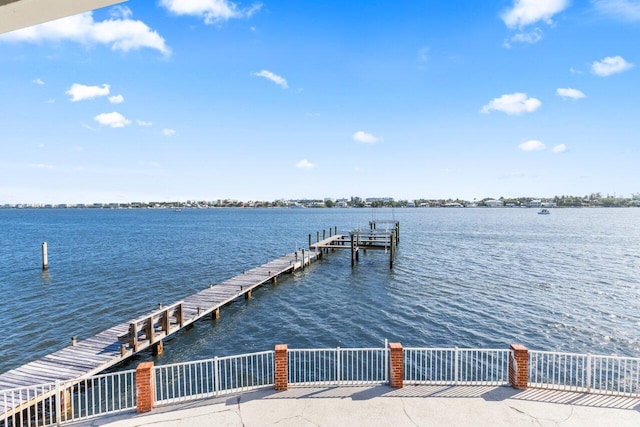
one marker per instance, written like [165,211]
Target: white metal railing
[24,406]
[61,402]
[454,366]
[585,373]
[213,377]
[338,366]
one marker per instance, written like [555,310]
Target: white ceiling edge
[17,14]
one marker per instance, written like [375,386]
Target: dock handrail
[147,324]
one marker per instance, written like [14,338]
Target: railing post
[59,407]
[396,365]
[519,366]
[456,371]
[281,367]
[338,367]
[386,360]
[588,373]
[145,387]
[216,376]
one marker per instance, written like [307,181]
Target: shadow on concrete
[578,399]
[363,393]
[488,393]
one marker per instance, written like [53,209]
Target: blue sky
[208,99]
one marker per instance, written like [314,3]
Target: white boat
[544,212]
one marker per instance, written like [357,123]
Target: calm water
[568,281]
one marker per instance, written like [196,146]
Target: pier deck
[116,344]
[86,358]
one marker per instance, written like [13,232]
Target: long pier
[88,357]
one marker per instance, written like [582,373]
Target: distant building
[491,203]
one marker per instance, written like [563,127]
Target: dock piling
[45,257]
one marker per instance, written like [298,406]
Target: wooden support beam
[149,329]
[179,315]
[166,321]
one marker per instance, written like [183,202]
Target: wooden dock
[88,357]
[375,238]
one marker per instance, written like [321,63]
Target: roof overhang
[17,14]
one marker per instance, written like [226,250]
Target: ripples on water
[462,277]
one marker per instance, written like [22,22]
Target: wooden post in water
[215,314]
[158,348]
[303,254]
[309,242]
[392,244]
[317,237]
[324,236]
[45,257]
[352,250]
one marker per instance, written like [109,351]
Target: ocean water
[569,281]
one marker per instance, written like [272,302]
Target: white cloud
[530,37]
[610,65]
[168,132]
[561,148]
[212,11]
[280,81]
[305,164]
[114,120]
[512,104]
[121,34]
[532,145]
[41,166]
[527,12]
[116,99]
[570,93]
[38,81]
[628,10]
[365,138]
[119,11]
[143,123]
[80,92]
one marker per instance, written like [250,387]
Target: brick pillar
[396,365]
[145,386]
[281,368]
[519,366]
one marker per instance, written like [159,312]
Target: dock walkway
[83,359]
